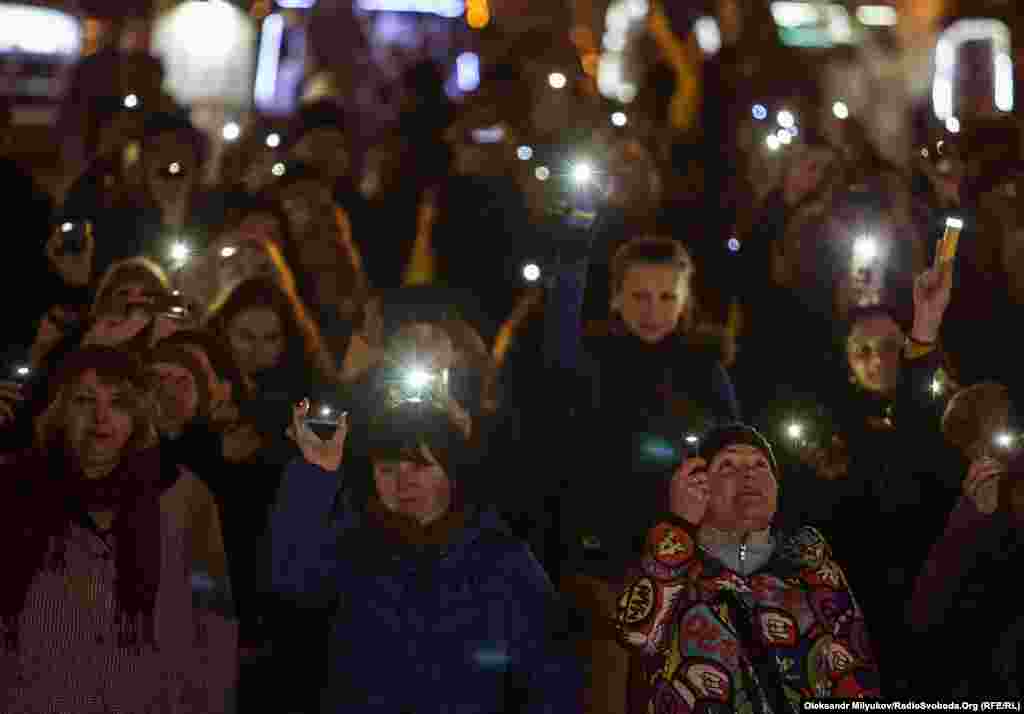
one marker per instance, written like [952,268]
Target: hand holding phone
[70,250]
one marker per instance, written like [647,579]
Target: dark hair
[649,250]
[302,336]
[221,361]
[165,123]
[399,433]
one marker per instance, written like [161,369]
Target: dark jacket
[619,411]
[423,631]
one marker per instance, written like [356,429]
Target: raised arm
[303,527]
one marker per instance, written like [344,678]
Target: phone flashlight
[72,237]
[582,173]
[324,420]
[946,251]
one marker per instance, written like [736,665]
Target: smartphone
[73,236]
[489,135]
[173,307]
[323,420]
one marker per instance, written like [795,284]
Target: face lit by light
[273,140]
[531,272]
[231,131]
[786,119]
[557,80]
[542,173]
[795,431]
[619,119]
[524,153]
[131,101]
[840,110]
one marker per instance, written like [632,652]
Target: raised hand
[74,268]
[325,454]
[690,491]
[982,484]
[932,290]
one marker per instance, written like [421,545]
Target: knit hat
[732,434]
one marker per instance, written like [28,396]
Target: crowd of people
[306,439]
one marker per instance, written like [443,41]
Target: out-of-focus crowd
[643,432]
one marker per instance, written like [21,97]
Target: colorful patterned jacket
[711,640]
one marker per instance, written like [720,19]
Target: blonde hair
[113,367]
[140,268]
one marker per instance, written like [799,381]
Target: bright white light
[467,71]
[614,41]
[325,411]
[22,371]
[840,27]
[786,119]
[619,119]
[952,125]
[1004,440]
[271,38]
[582,173]
[443,8]
[524,153]
[417,378]
[759,112]
[955,223]
[31,29]
[67,227]
[795,14]
[734,245]
[228,251]
[691,439]
[557,80]
[865,249]
[773,142]
[709,37]
[936,387]
[207,50]
[296,4]
[273,140]
[785,137]
[131,101]
[174,168]
[180,252]
[231,131]
[531,272]
[1004,82]
[840,110]
[795,430]
[638,9]
[542,173]
[992,31]
[877,15]
[277,169]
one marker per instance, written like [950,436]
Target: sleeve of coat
[656,585]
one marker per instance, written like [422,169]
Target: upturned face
[744,492]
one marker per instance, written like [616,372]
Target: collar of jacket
[714,537]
